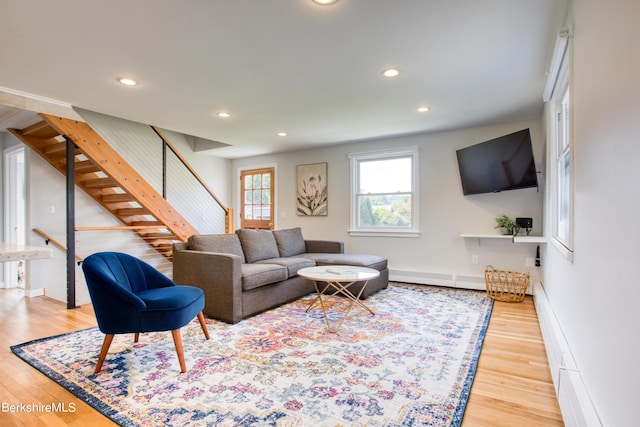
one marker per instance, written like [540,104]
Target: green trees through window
[385,211]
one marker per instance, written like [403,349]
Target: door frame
[14,218]
[238,191]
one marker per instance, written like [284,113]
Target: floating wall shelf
[514,239]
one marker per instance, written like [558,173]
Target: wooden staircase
[104,175]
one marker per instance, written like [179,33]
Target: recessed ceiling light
[224,114]
[391,72]
[423,109]
[282,134]
[324,2]
[127,81]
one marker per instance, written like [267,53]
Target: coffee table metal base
[338,288]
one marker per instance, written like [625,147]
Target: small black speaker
[524,222]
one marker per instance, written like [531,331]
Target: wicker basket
[510,286]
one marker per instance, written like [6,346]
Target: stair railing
[48,239]
[228,212]
[153,154]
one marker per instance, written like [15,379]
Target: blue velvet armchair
[130,296]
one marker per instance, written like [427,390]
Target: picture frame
[312,190]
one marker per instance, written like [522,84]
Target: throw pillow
[218,243]
[258,244]
[290,241]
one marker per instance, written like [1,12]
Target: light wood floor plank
[512,386]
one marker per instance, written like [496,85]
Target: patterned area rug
[411,364]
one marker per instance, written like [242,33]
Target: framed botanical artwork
[312,189]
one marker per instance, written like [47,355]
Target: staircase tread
[40,130]
[150,236]
[147,223]
[55,148]
[132,211]
[86,166]
[99,182]
[117,198]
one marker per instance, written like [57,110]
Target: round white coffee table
[338,278]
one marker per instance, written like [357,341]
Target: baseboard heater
[438,279]
[442,279]
[573,397]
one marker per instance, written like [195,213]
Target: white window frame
[562,150]
[355,159]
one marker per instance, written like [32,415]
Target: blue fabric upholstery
[130,296]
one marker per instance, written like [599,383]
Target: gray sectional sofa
[245,273]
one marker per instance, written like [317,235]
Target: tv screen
[500,164]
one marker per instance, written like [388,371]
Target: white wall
[595,298]
[444,212]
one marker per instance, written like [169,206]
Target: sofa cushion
[372,261]
[219,243]
[290,241]
[257,244]
[256,275]
[292,264]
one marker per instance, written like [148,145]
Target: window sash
[563,170]
[564,199]
[376,172]
[391,211]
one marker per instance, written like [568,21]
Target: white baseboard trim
[471,282]
[441,279]
[34,292]
[421,278]
[573,397]
[438,279]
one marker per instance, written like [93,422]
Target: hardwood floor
[512,386]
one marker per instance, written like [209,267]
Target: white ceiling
[283,65]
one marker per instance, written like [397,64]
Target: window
[384,193]
[563,166]
[257,208]
[562,189]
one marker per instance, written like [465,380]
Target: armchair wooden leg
[177,340]
[108,338]
[136,337]
[203,324]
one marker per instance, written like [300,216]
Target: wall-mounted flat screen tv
[500,164]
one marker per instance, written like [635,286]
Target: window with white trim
[384,192]
[563,164]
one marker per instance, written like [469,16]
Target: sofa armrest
[324,246]
[218,275]
[179,246]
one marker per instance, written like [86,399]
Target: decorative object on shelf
[507,226]
[525,223]
[503,285]
[312,190]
